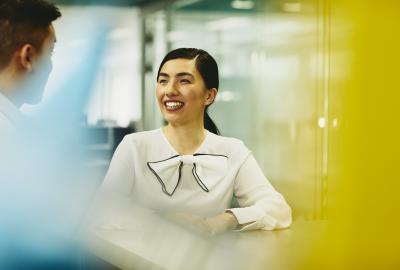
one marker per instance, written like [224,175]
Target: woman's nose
[171,90]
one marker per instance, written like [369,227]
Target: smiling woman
[185,170]
[194,74]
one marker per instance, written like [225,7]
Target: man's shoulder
[7,129]
[5,123]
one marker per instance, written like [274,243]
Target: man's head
[27,40]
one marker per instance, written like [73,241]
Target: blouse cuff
[250,218]
[246,214]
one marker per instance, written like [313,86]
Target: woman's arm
[209,226]
[120,175]
[261,206]
[113,200]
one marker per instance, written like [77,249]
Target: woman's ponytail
[209,124]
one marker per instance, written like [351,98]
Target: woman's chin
[172,115]
[172,119]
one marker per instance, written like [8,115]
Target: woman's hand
[221,223]
[209,226]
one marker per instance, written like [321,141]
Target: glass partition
[273,95]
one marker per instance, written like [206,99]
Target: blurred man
[27,40]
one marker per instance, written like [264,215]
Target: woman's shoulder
[231,147]
[142,137]
[226,140]
[230,144]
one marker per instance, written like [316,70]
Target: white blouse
[147,169]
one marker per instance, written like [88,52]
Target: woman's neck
[185,139]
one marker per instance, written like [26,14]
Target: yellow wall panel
[363,167]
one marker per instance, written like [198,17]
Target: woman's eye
[162,81]
[185,81]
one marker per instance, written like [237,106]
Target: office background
[272,95]
[308,85]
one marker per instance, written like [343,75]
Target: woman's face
[181,92]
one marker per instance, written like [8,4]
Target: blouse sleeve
[113,200]
[261,206]
[120,175]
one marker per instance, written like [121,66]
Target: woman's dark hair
[208,69]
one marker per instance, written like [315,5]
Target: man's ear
[27,57]
[211,95]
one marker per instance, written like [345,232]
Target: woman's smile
[173,105]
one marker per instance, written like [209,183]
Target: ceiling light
[242,4]
[321,122]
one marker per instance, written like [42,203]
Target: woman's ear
[27,56]
[211,95]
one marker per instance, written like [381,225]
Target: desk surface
[154,243]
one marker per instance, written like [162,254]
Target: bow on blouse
[207,170]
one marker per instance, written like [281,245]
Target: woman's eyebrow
[163,74]
[181,74]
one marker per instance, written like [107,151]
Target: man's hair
[24,22]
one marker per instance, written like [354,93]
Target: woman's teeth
[173,105]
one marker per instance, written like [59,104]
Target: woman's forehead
[180,65]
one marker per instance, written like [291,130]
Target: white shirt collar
[10,111]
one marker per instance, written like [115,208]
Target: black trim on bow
[194,172]
[200,154]
[198,180]
[160,180]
